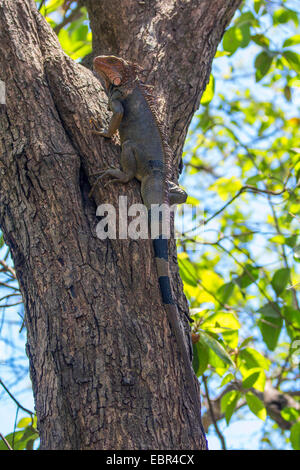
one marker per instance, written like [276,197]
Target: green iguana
[145,156]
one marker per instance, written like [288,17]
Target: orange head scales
[114,70]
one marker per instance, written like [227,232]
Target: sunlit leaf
[200,358]
[209,91]
[256,406]
[218,349]
[293,60]
[295,436]
[270,328]
[255,378]
[262,64]
[280,280]
[228,404]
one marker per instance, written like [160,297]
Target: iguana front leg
[128,165]
[116,107]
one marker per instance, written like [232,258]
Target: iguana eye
[117,81]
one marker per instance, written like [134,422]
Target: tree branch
[212,414]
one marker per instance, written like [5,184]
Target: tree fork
[103,364]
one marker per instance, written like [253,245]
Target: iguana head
[113,69]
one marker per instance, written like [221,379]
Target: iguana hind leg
[124,175]
[176,194]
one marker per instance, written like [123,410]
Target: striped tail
[153,192]
[160,245]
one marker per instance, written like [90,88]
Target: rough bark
[105,369]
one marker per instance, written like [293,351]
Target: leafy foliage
[23,438]
[240,275]
[70,22]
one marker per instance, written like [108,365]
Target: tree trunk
[105,368]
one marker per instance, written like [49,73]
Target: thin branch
[295,393]
[9,295]
[41,4]
[245,188]
[206,168]
[284,367]
[15,400]
[11,305]
[4,284]
[8,269]
[75,14]
[211,409]
[5,442]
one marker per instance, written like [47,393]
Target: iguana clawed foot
[118,176]
[101,131]
[98,130]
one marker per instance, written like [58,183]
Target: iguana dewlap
[145,155]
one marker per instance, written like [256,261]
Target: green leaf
[280,280]
[231,40]
[278,239]
[290,414]
[262,64]
[187,270]
[292,41]
[246,341]
[253,358]
[212,343]
[245,18]
[284,15]
[293,60]
[225,292]
[228,404]
[13,439]
[255,378]
[80,33]
[200,358]
[271,309]
[19,439]
[256,406]
[292,315]
[255,179]
[226,187]
[224,323]
[261,40]
[209,91]
[228,378]
[295,436]
[249,276]
[238,35]
[24,422]
[291,241]
[270,328]
[51,6]
[221,54]
[257,5]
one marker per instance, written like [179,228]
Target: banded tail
[160,245]
[154,192]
